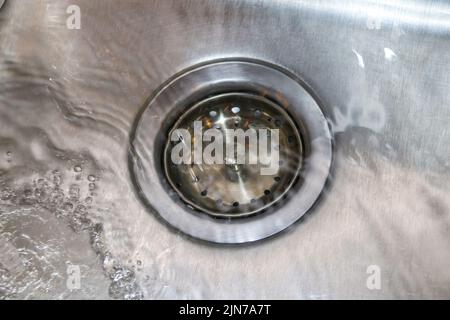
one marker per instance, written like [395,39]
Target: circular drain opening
[229,187]
[225,95]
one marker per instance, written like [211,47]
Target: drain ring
[268,83]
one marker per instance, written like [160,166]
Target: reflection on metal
[244,93]
[70,97]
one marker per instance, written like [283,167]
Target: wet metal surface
[69,100]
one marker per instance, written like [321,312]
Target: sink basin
[74,225]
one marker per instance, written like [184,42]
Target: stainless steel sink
[69,99]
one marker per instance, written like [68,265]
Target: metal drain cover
[231,201]
[236,189]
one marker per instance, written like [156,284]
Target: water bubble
[57,197]
[74,191]
[91,178]
[56,177]
[28,193]
[77,168]
[91,186]
[68,206]
[8,155]
[41,193]
[80,209]
[7,194]
[28,198]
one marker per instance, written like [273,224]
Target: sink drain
[231,201]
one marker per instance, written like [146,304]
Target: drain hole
[241,192]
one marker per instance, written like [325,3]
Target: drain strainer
[231,201]
[228,188]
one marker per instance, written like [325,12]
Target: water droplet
[77,168]
[80,209]
[91,178]
[68,206]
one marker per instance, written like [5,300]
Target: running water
[68,101]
